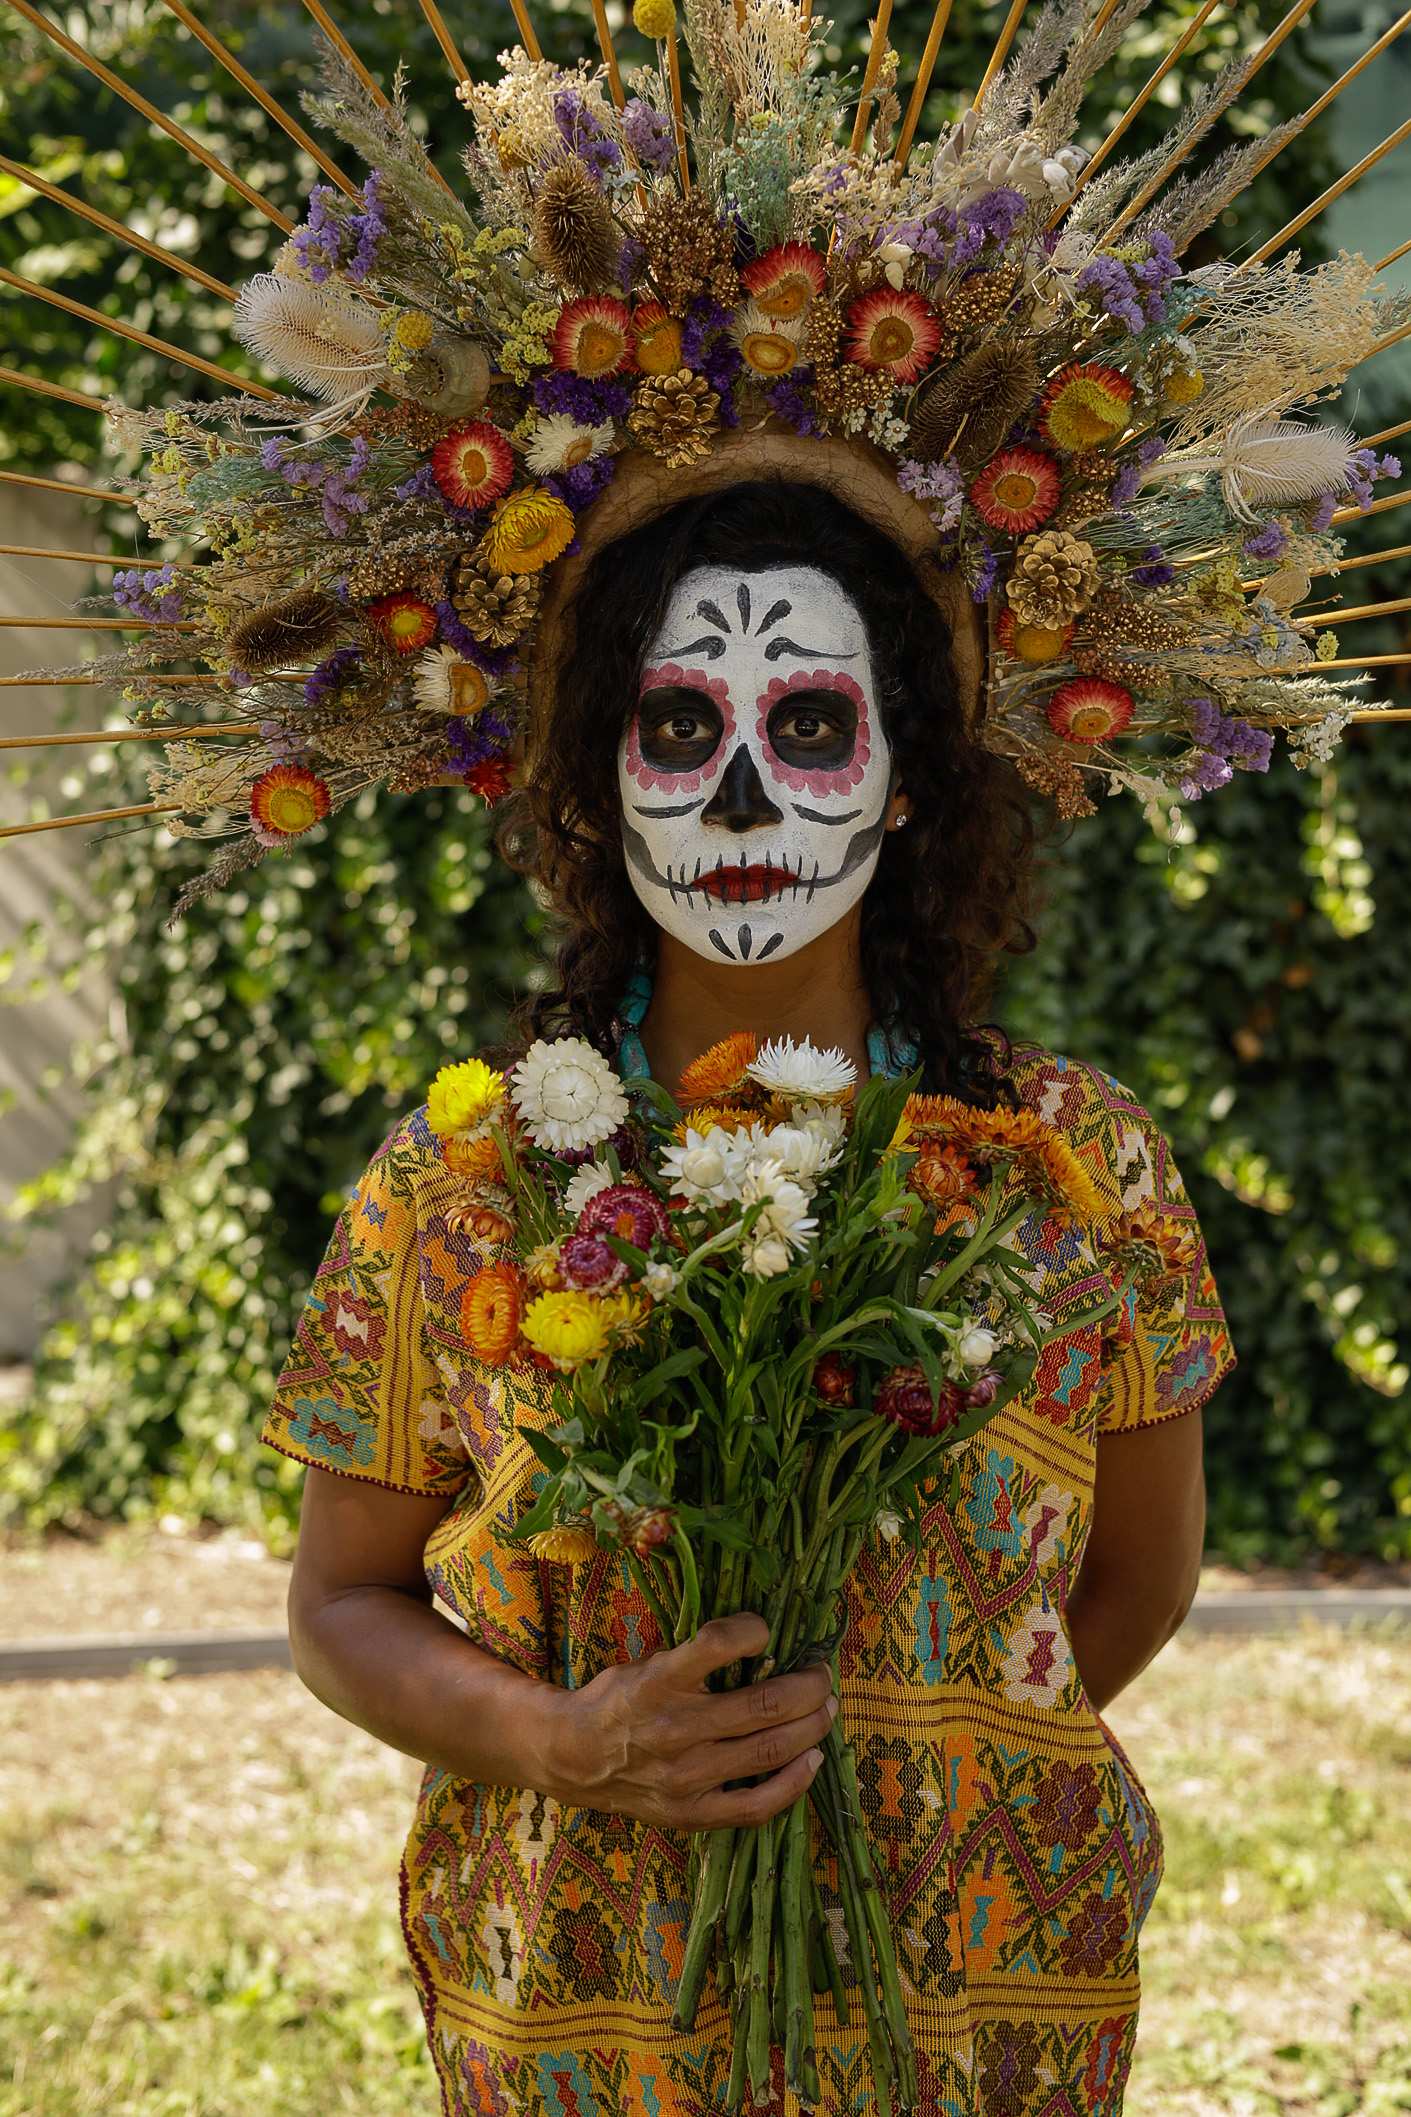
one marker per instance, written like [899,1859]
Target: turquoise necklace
[889,1050]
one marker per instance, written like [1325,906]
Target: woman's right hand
[649,1739]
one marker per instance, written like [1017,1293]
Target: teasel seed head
[574,237]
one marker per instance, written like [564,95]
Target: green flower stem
[735,2089]
[832,1970]
[689,1618]
[795,1922]
[710,1903]
[761,1936]
[737,1896]
[878,1925]
[879,2044]
[642,1575]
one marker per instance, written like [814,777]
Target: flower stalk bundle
[776,1317]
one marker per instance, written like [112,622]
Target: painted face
[754,774]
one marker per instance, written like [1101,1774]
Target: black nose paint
[740,802]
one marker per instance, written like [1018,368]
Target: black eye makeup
[813,730]
[678,729]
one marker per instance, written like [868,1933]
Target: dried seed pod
[970,406]
[1054,580]
[574,237]
[451,378]
[297,628]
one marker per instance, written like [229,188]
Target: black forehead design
[715,614]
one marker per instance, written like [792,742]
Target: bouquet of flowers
[775,1316]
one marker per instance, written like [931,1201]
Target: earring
[900,820]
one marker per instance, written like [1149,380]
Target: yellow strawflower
[567,1328]
[529,530]
[462,1096]
[564,1547]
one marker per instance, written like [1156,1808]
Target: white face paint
[754,775]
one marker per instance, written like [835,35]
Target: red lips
[747,885]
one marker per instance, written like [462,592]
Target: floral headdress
[989,348]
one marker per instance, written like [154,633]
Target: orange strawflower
[491,1309]
[405,622]
[288,800]
[730,1116]
[477,1160]
[720,1071]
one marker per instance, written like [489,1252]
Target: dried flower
[1083,407]
[895,331]
[1032,643]
[405,622]
[567,1095]
[1059,782]
[574,236]
[443,683]
[285,802]
[656,339]
[559,443]
[971,405]
[800,1073]
[767,347]
[563,1546]
[783,282]
[653,18]
[1088,710]
[721,1071]
[627,1210]
[689,251]
[473,465]
[529,531]
[492,1308]
[296,628]
[904,1398]
[832,1382]
[321,337]
[1017,490]
[593,338]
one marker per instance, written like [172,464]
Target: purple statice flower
[1271,542]
[720,365]
[1106,281]
[790,402]
[631,257]
[705,319]
[1367,472]
[421,485]
[582,133]
[1227,741]
[341,499]
[991,218]
[325,244]
[649,135]
[284,743]
[495,661]
[154,596]
[1325,510]
[586,403]
[935,481]
[985,579]
[318,243]
[745,245]
[272,452]
[364,231]
[470,742]
[1126,485]
[1204,776]
[581,484]
[339,668]
[1154,571]
[1150,449]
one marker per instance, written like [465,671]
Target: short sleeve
[360,1394]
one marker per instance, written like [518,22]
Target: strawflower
[567,1095]
[904,1398]
[896,331]
[491,1311]
[405,622]
[1085,407]
[563,1547]
[800,1072]
[593,337]
[627,1210]
[567,1328]
[530,530]
[723,1070]
[473,465]
[1089,710]
[462,1097]
[1017,490]
[285,802]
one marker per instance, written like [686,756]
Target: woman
[755,798]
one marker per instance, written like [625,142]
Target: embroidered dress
[1016,1846]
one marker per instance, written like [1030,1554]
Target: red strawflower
[593,337]
[832,1382]
[473,465]
[405,622]
[895,330]
[1089,710]
[586,1263]
[490,778]
[1032,643]
[784,281]
[286,801]
[904,1398]
[1017,490]
[628,1210]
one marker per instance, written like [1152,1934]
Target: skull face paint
[754,775]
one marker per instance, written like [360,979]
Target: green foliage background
[1249,982]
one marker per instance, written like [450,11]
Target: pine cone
[1055,578]
[676,416]
[495,607]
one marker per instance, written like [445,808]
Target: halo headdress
[989,347]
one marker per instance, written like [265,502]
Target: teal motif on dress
[333,1432]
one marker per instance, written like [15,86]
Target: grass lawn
[199,1920]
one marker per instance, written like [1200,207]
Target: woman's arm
[646,1739]
[1142,1559]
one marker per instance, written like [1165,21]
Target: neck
[819,994]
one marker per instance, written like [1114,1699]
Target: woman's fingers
[715,1646]
[750,1756]
[762,1706]
[742,1807]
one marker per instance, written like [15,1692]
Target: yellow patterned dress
[1017,1848]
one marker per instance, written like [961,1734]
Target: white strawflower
[659,1279]
[785,1204]
[802,1073]
[559,443]
[828,1118]
[888,1525]
[805,1152]
[975,1347]
[584,1184]
[707,1168]
[567,1095]
[766,1256]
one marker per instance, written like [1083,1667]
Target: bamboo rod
[345,50]
[1366,713]
[526,29]
[605,46]
[200,729]
[444,38]
[89,558]
[153,115]
[82,492]
[922,82]
[678,107]
[1139,103]
[1347,617]
[876,52]
[1392,338]
[1378,507]
[169,258]
[1373,51]
[1265,52]
[1390,434]
[1334,191]
[72,823]
[1391,257]
[1001,50]
[1372,558]
[130,331]
[124,676]
[50,389]
[96,624]
[1368,661]
[262,96]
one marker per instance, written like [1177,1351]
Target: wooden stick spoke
[1139,102]
[88,558]
[266,101]
[605,46]
[1348,617]
[678,108]
[198,730]
[1368,714]
[33,182]
[923,81]
[97,624]
[82,492]
[1392,338]
[50,389]
[73,823]
[1372,558]
[142,338]
[1367,661]
[1334,191]
[345,51]
[876,51]
[526,29]
[1378,507]
[154,116]
[1001,50]
[1392,257]
[446,41]
[1391,433]
[124,677]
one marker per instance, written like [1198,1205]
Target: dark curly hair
[949,893]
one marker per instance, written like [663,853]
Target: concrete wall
[39,1023]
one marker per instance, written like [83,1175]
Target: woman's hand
[648,1739]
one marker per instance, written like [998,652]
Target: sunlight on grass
[200,1888]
